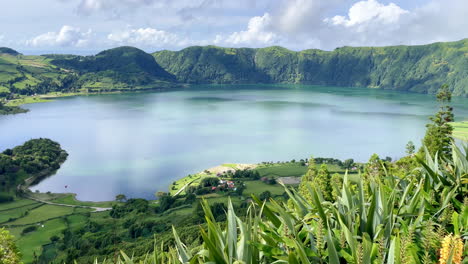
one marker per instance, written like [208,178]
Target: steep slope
[407,68]
[28,75]
[123,67]
[212,64]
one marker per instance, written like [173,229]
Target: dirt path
[96,209]
[28,182]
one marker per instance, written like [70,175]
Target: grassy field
[282,170]
[44,98]
[27,100]
[31,243]
[460,130]
[43,213]
[15,204]
[257,187]
[16,213]
[49,220]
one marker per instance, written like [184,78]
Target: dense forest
[35,158]
[420,69]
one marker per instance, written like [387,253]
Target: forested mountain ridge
[420,68]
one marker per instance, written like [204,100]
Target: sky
[89,26]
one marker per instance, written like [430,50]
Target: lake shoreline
[149,140]
[49,97]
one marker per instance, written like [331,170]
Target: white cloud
[68,36]
[146,37]
[370,23]
[370,11]
[295,24]
[259,32]
[299,16]
[302,24]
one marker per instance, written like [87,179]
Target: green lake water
[140,143]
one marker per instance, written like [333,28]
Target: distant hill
[406,68]
[4,50]
[119,69]
[122,67]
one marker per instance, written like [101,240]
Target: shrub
[29,229]
[4,198]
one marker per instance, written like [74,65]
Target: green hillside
[123,68]
[118,68]
[28,75]
[407,68]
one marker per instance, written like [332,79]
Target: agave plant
[385,219]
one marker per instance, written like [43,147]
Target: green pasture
[31,243]
[460,130]
[43,213]
[257,187]
[282,170]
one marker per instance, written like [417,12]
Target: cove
[139,143]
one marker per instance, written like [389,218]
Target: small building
[230,184]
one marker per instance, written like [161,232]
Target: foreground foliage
[9,253]
[421,217]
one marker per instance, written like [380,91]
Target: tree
[438,136]
[307,180]
[337,184]
[198,212]
[209,182]
[54,238]
[190,198]
[410,148]
[121,198]
[219,211]
[165,202]
[348,164]
[265,195]
[323,181]
[9,253]
[240,189]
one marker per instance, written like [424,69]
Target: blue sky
[88,26]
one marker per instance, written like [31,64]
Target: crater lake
[139,143]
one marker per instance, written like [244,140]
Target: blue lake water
[139,143]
